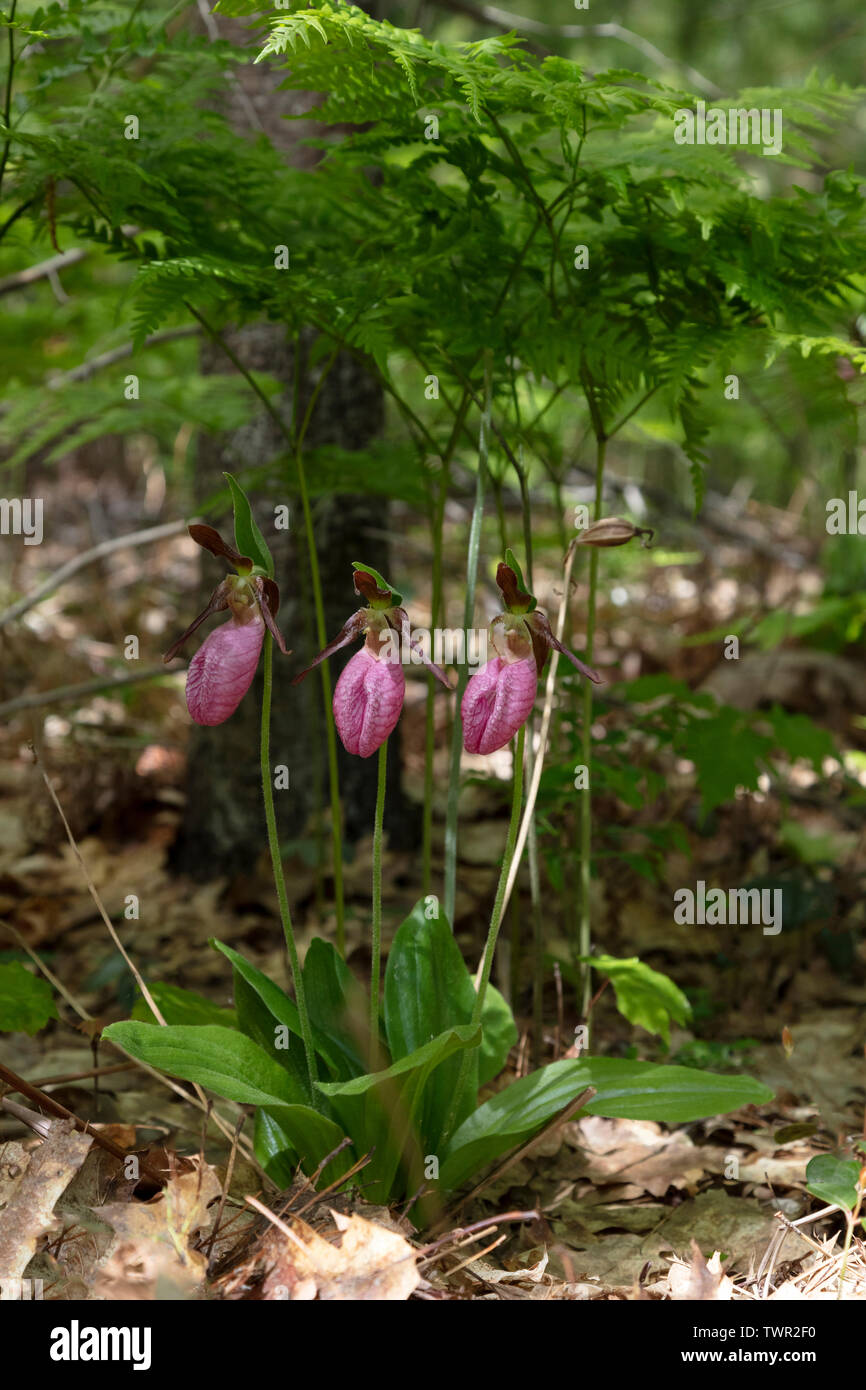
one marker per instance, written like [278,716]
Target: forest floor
[620,1209]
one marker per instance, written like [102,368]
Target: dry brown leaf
[152,1256]
[700,1281]
[370,1263]
[639,1152]
[30,1210]
[532,1274]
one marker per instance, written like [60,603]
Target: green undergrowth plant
[396,1116]
[492,235]
[388,1088]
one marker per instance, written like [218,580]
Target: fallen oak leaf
[370,1263]
[153,1247]
[700,1281]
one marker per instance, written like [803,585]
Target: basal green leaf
[282,1009]
[221,1059]
[428,989]
[304,1131]
[625,1090]
[182,1006]
[382,1111]
[279,1042]
[336,1005]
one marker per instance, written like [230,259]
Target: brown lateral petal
[210,539]
[352,629]
[216,603]
[540,648]
[538,623]
[269,602]
[405,629]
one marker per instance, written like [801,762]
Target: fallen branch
[505,19]
[61,693]
[150,533]
[44,271]
[108,359]
[24,1088]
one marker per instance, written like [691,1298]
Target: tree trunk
[224,829]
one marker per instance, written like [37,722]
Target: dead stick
[150,533]
[61,693]
[24,1088]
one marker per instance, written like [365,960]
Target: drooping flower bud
[222,670]
[367,702]
[369,694]
[499,698]
[612,530]
[497,701]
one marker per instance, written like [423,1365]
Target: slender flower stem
[330,727]
[277,865]
[468,609]
[532,844]
[584,926]
[495,923]
[377,898]
[300,430]
[295,438]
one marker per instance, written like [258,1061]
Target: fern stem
[436,606]
[295,439]
[468,613]
[585,842]
[7,95]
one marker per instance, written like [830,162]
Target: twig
[24,1088]
[532,794]
[130,964]
[478,1254]
[504,19]
[38,1123]
[151,533]
[230,1168]
[61,693]
[66,1077]
[43,271]
[118,354]
[481,1227]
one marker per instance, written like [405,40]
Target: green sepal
[248,538]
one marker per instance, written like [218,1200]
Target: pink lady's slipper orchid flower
[499,698]
[369,694]
[222,670]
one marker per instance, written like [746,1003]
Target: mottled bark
[224,827]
